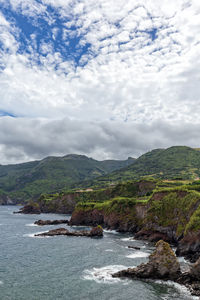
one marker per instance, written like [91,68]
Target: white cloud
[125,76]
[30,139]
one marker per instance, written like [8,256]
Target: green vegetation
[176,163]
[194,223]
[173,207]
[176,207]
[52,174]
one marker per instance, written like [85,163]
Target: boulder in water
[162,264]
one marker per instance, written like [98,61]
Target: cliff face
[122,219]
[62,204]
[170,211]
[122,208]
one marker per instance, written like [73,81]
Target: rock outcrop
[151,235]
[94,232]
[189,246]
[29,209]
[195,270]
[49,222]
[162,264]
[191,279]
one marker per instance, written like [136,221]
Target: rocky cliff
[171,214]
[150,209]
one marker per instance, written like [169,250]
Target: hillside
[52,174]
[172,163]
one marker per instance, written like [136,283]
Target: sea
[72,268]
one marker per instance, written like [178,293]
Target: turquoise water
[71,267]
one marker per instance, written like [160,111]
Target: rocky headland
[31,208]
[94,232]
[149,209]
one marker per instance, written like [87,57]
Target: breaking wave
[138,254]
[32,235]
[180,288]
[31,225]
[128,239]
[104,274]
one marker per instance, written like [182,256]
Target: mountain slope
[27,180]
[175,162]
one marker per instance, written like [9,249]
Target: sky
[108,79]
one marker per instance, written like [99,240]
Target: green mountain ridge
[54,174]
[51,174]
[177,162]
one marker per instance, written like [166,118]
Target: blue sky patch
[6,114]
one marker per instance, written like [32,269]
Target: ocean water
[71,268]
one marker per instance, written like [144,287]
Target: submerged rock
[94,232]
[162,264]
[49,222]
[134,247]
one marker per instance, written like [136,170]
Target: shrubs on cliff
[174,207]
[194,223]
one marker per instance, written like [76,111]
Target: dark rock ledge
[164,265]
[29,209]
[49,222]
[94,232]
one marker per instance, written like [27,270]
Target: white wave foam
[109,250]
[32,235]
[181,259]
[111,231]
[128,239]
[138,254]
[31,225]
[180,288]
[104,274]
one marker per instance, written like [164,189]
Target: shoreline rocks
[163,264]
[49,222]
[94,232]
[151,235]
